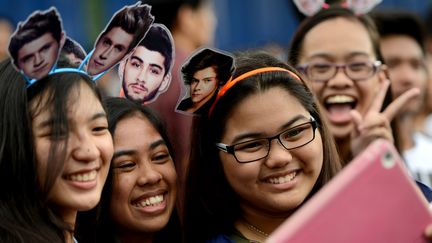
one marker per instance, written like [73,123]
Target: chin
[88,203]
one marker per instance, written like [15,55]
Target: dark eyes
[125,165]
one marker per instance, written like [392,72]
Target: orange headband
[231,82]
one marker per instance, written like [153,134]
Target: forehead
[135,130]
[265,111]
[36,44]
[208,72]
[118,36]
[391,47]
[149,56]
[338,38]
[80,95]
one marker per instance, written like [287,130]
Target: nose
[105,53]
[148,175]
[84,148]
[197,85]
[407,76]
[38,60]
[340,79]
[278,155]
[142,75]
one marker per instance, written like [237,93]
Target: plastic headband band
[232,82]
[30,82]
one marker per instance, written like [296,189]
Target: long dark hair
[211,205]
[24,213]
[97,225]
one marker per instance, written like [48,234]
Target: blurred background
[241,24]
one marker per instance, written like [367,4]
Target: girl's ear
[362,6]
[309,7]
[383,73]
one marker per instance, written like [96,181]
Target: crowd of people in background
[195,144]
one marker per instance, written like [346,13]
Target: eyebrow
[255,135]
[45,46]
[122,153]
[157,143]
[142,61]
[48,122]
[132,152]
[329,56]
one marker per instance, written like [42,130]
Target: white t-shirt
[419,158]
[428,125]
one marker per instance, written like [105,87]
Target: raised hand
[375,124]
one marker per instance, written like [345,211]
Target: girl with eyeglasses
[263,150]
[338,52]
[55,151]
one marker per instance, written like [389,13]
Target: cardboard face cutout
[125,30]
[146,72]
[38,42]
[203,74]
[35,45]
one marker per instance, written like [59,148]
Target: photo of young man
[204,73]
[147,72]
[35,45]
[125,30]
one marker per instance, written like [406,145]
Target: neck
[406,129]
[258,226]
[130,237]
[69,217]
[419,122]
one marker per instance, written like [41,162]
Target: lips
[281,178]
[86,179]
[149,201]
[138,88]
[153,203]
[99,64]
[41,69]
[339,107]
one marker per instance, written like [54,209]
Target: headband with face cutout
[311,7]
[37,44]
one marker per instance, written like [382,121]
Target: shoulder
[222,238]
[427,192]
[185,104]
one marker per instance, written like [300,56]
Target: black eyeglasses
[257,149]
[324,71]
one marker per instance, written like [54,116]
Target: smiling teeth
[340,99]
[83,177]
[151,201]
[282,179]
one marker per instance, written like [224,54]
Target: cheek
[314,155]
[42,147]
[169,174]
[316,88]
[239,175]
[368,91]
[121,189]
[106,148]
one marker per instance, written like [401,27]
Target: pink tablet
[372,200]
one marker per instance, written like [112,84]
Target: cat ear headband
[37,45]
[311,7]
